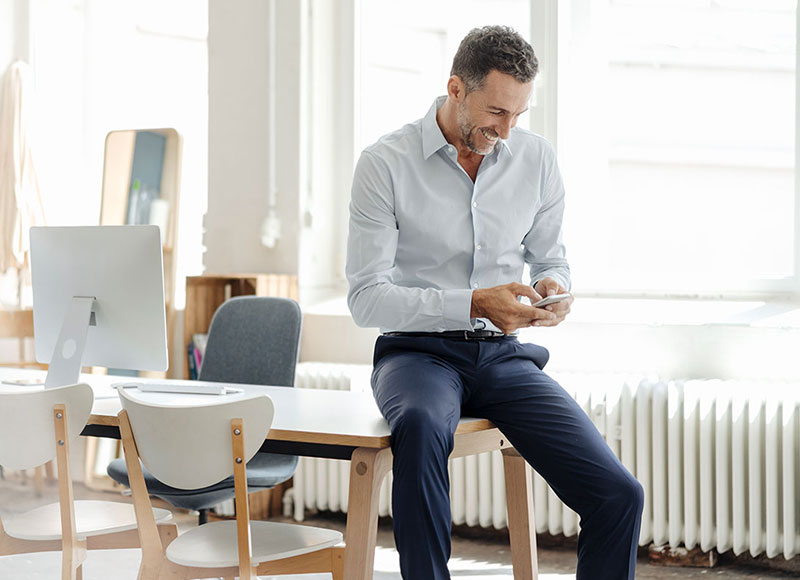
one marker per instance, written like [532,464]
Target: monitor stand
[65,365]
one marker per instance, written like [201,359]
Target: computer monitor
[98,299]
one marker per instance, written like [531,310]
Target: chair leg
[276,500]
[167,532]
[72,564]
[154,565]
[150,568]
[67,570]
[337,563]
[38,480]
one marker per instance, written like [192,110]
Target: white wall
[14,24]
[238,136]
[314,44]
[14,33]
[6,34]
[14,37]
[13,45]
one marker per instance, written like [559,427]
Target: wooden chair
[35,426]
[191,447]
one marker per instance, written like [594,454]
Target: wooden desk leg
[368,467]
[521,521]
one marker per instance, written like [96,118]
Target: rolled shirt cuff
[456,307]
[558,277]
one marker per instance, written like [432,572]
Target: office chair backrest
[253,340]
[27,432]
[189,447]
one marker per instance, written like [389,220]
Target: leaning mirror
[141,185]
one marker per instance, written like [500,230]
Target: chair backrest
[189,447]
[253,340]
[27,431]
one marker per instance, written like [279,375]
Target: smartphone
[551,300]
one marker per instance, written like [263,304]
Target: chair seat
[214,545]
[264,470]
[92,518]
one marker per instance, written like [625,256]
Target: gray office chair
[252,340]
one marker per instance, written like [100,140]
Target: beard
[468,131]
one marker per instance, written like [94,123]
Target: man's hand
[547,287]
[500,305]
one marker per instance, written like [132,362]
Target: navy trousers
[423,385]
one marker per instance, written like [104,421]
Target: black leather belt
[453,334]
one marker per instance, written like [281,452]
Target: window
[375,65]
[676,137]
[406,50]
[674,123]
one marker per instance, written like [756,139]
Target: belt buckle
[474,337]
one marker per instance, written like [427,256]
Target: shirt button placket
[477,232]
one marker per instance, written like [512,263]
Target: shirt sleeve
[544,244]
[373,297]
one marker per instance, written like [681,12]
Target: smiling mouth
[491,137]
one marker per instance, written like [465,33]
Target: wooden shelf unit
[18,324]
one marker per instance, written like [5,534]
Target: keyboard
[186,388]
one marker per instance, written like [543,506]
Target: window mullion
[544,38]
[796,273]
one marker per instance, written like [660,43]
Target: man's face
[490,112]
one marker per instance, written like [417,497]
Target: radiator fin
[718,461]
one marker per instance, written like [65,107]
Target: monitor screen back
[121,267]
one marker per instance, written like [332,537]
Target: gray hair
[489,48]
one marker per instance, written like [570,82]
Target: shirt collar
[433,138]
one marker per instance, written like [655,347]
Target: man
[445,212]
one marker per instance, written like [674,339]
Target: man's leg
[420,396]
[551,431]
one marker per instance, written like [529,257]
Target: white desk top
[301,415]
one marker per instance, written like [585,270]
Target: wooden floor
[484,558]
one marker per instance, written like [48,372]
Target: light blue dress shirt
[423,236]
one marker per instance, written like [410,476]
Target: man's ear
[455,88]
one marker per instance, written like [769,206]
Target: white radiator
[725,472]
[718,461]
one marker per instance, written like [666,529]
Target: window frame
[549,21]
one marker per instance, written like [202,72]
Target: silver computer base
[65,365]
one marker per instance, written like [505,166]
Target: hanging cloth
[20,199]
